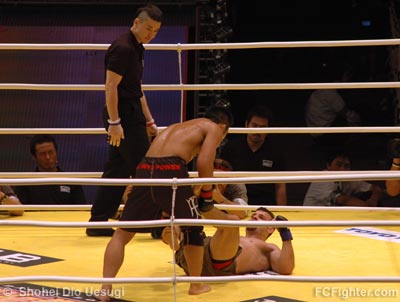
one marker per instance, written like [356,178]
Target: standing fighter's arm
[115,131]
[205,165]
[206,156]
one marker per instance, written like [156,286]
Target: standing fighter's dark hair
[219,115]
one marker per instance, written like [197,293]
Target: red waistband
[160,167]
[222,265]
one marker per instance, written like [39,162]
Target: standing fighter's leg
[193,251]
[113,259]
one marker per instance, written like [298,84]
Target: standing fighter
[126,115]
[167,157]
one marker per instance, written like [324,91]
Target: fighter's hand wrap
[205,200]
[284,231]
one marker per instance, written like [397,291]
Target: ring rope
[197,87]
[192,174]
[238,130]
[181,80]
[296,178]
[201,222]
[204,46]
[265,277]
[87,207]
[171,224]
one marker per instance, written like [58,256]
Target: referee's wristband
[150,123]
[114,123]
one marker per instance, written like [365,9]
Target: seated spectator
[231,194]
[8,197]
[327,108]
[258,152]
[43,148]
[342,193]
[393,185]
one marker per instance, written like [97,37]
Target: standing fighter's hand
[115,134]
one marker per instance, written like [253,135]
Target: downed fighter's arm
[282,260]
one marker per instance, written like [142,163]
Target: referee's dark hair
[152,11]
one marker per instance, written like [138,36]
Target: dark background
[309,21]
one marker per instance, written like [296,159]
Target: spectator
[231,194]
[327,108]
[8,197]
[43,148]
[338,193]
[257,152]
[393,185]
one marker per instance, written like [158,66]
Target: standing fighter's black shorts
[147,202]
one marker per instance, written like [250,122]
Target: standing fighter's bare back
[193,136]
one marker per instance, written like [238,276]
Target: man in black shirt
[127,117]
[257,152]
[43,148]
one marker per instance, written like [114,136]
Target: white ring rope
[192,222]
[217,174]
[264,277]
[181,80]
[197,87]
[239,130]
[38,178]
[295,178]
[204,46]
[87,207]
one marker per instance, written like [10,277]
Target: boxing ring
[342,254]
